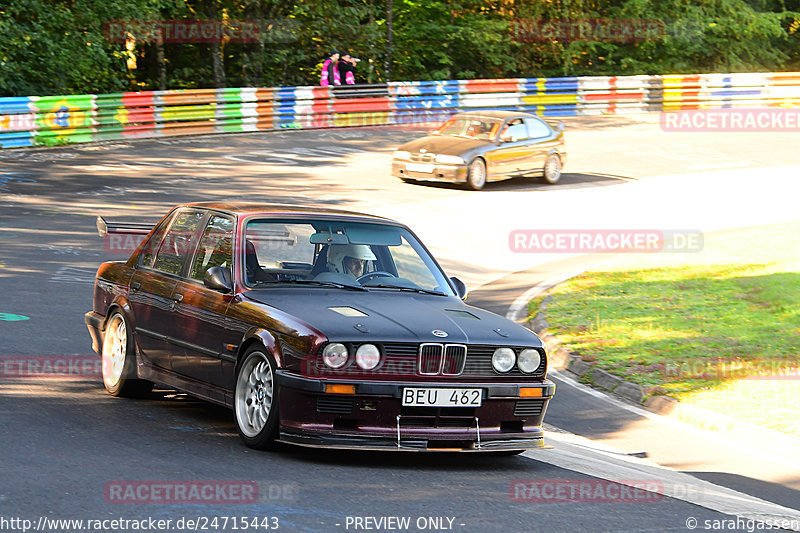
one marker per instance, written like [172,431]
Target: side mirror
[505,138]
[218,278]
[461,288]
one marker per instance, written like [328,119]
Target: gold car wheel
[552,169]
[476,178]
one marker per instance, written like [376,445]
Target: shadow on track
[568,181]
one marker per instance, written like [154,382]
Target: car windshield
[347,255]
[472,127]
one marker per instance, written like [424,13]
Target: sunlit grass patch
[693,324]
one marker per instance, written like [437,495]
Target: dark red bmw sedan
[318,328]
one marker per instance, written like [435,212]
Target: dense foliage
[64,46]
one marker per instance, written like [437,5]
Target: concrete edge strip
[769,454]
[582,455]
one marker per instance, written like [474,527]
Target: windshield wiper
[313,282]
[407,289]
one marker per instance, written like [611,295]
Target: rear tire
[255,401]
[552,169]
[476,178]
[119,361]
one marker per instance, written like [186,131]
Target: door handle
[135,286]
[176,299]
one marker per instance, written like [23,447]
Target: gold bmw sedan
[482,146]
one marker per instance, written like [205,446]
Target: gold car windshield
[474,128]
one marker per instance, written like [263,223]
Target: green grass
[694,325]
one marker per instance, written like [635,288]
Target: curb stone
[603,379]
[578,366]
[631,391]
[561,359]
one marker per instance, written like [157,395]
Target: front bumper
[445,173]
[374,418]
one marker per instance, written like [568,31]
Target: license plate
[441,397]
[419,167]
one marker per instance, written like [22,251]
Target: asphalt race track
[67,445]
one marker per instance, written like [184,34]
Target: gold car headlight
[401,154]
[449,159]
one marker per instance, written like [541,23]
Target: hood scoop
[347,311]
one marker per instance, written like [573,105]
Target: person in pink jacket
[330,71]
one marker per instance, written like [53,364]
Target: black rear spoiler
[104,227]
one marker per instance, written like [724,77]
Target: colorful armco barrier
[55,120]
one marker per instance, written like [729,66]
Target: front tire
[552,169]
[476,178]
[255,400]
[119,361]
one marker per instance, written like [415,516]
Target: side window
[515,130]
[537,128]
[179,241]
[215,247]
[148,253]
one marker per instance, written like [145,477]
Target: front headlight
[503,359]
[335,355]
[368,356]
[529,360]
[449,159]
[401,154]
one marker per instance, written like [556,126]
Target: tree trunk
[217,62]
[217,65]
[258,61]
[371,42]
[161,66]
[389,44]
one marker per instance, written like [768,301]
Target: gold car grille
[423,158]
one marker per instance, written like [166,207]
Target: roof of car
[251,208]
[491,113]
